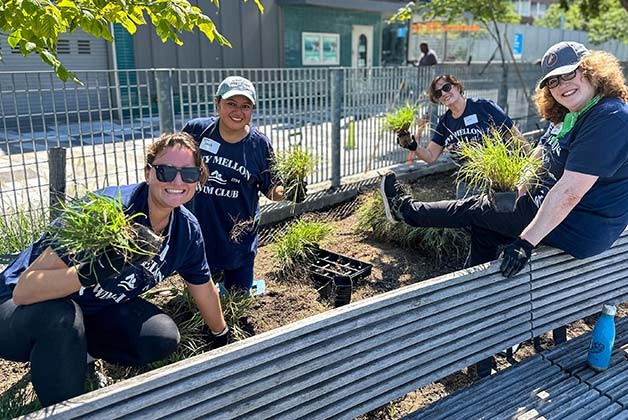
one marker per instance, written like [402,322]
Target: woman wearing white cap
[239,158]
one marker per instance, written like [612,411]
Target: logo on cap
[551,60]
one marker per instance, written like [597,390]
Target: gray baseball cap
[562,58]
[236,85]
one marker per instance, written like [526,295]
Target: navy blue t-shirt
[181,251]
[478,117]
[597,145]
[227,206]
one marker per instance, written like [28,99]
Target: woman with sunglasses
[465,120]
[59,316]
[239,158]
[581,202]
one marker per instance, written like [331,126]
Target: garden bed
[294,296]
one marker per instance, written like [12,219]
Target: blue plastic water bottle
[602,339]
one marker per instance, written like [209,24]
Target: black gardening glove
[221,339]
[406,140]
[515,257]
[112,262]
[296,193]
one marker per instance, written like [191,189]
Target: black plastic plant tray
[325,265]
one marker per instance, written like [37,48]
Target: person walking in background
[239,158]
[429,57]
[55,314]
[581,202]
[465,120]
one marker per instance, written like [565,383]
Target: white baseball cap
[236,85]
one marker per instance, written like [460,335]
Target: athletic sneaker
[393,196]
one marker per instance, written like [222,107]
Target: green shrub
[19,399]
[192,328]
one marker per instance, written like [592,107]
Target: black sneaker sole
[387,208]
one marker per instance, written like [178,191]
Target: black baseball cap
[562,58]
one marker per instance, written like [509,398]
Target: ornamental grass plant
[499,163]
[440,243]
[296,244]
[293,167]
[401,119]
[90,225]
[21,229]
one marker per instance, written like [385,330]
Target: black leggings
[489,229]
[55,336]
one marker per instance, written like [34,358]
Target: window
[320,49]
[83,46]
[63,46]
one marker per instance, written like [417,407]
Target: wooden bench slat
[554,384]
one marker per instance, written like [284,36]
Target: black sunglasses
[445,88]
[554,81]
[167,173]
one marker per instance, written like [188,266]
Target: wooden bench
[555,384]
[353,359]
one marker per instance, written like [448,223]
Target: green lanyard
[572,117]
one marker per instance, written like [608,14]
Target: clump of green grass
[292,167]
[496,164]
[194,333]
[21,229]
[437,242]
[90,225]
[19,399]
[401,119]
[296,244]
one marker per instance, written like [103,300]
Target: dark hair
[180,139]
[602,70]
[450,78]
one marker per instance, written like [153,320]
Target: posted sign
[517,45]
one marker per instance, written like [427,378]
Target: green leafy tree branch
[603,19]
[34,26]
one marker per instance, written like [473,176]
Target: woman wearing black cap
[581,205]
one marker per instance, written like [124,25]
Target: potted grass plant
[497,166]
[400,120]
[292,167]
[96,225]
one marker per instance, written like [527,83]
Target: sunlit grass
[437,242]
[401,119]
[296,244]
[92,224]
[293,167]
[497,164]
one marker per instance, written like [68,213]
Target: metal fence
[105,124]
